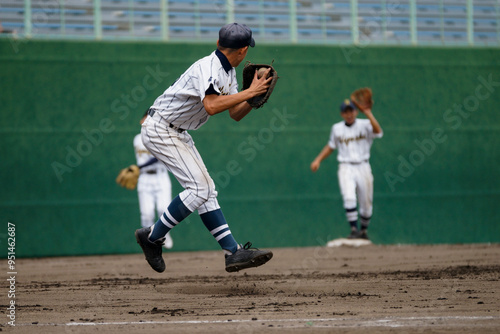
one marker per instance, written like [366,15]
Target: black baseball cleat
[247,257]
[152,250]
[363,235]
[358,235]
[354,234]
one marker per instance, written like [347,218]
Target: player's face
[349,116]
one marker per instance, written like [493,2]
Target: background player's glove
[248,75]
[128,177]
[362,98]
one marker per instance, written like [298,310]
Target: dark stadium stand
[316,21]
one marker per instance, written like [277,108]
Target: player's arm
[239,111]
[215,104]
[376,127]
[325,152]
[236,103]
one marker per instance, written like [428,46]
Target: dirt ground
[369,289]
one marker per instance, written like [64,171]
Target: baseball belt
[354,162]
[152,112]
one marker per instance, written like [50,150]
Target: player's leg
[237,257]
[212,216]
[163,196]
[174,150]
[365,197]
[179,154]
[152,243]
[347,186]
[166,146]
[145,193]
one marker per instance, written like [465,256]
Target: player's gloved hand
[128,177]
[263,86]
[363,99]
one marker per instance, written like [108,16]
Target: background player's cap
[346,105]
[235,36]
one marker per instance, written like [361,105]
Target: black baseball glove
[248,75]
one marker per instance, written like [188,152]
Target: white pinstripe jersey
[181,104]
[353,142]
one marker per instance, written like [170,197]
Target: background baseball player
[206,88]
[353,139]
[154,188]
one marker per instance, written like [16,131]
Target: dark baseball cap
[235,36]
[347,104]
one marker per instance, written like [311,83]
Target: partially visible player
[206,88]
[353,139]
[154,188]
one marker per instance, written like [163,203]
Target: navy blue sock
[354,225]
[352,217]
[216,223]
[365,221]
[175,213]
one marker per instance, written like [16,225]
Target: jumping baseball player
[206,88]
[353,139]
[154,188]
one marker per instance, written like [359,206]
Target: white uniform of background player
[154,188]
[353,138]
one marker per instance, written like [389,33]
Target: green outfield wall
[70,110]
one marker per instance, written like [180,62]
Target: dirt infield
[370,289]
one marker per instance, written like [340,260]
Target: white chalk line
[383,322]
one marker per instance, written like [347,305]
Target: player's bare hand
[262,72]
[315,166]
[260,85]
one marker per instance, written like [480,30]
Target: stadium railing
[405,22]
